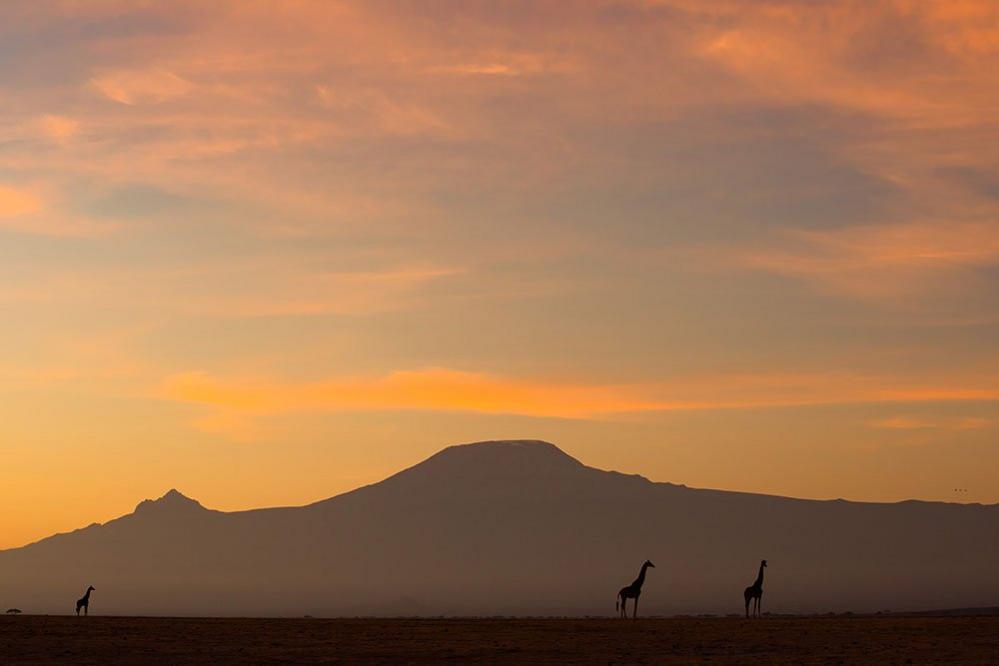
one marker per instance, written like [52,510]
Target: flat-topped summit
[537,448]
[173,501]
[513,457]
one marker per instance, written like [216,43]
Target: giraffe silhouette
[632,591]
[84,602]
[755,591]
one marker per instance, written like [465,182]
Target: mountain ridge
[173,500]
[516,528]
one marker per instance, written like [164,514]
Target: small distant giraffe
[632,591]
[84,602]
[755,591]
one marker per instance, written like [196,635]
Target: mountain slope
[514,528]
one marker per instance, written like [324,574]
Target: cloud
[919,63]
[58,128]
[378,113]
[878,262]
[444,389]
[922,423]
[25,211]
[430,389]
[509,63]
[152,85]
[16,202]
[253,288]
[492,68]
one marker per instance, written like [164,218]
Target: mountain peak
[172,501]
[518,457]
[513,447]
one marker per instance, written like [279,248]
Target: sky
[266,252]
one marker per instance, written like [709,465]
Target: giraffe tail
[617,602]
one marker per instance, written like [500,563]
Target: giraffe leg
[759,604]
[634,615]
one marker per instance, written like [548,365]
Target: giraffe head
[649,564]
[763,563]
[91,589]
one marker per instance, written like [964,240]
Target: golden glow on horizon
[267,252]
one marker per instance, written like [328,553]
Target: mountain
[514,527]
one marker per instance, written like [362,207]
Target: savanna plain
[883,640]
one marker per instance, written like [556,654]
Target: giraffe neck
[759,578]
[641,576]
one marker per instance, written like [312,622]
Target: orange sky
[266,252]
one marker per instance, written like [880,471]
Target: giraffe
[632,591]
[84,602]
[755,591]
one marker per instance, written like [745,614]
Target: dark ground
[882,640]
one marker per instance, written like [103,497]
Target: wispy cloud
[860,57]
[434,389]
[880,261]
[151,85]
[57,128]
[263,288]
[444,389]
[16,202]
[924,423]
[31,211]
